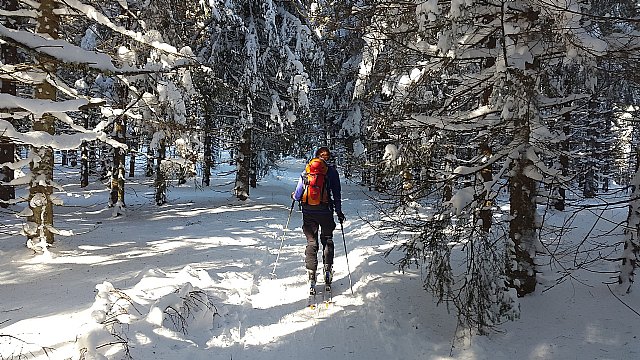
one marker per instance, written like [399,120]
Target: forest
[468,121]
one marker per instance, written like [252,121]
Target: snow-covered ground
[218,253]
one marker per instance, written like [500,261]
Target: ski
[314,302]
[320,299]
[327,296]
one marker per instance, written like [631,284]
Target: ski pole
[284,231]
[345,255]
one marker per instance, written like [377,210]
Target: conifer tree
[467,95]
[51,64]
[261,50]
[337,121]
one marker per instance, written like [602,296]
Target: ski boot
[328,277]
[312,282]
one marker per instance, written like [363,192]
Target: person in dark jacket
[319,219]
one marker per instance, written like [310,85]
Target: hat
[321,150]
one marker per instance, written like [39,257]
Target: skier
[319,217]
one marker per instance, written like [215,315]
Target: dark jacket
[335,199]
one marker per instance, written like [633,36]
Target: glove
[341,217]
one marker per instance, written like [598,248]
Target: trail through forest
[205,240]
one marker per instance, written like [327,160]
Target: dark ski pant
[311,223]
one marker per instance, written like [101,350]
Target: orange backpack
[315,183]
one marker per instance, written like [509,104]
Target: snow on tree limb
[59,49]
[93,14]
[40,106]
[59,142]
[69,53]
[19,13]
[20,74]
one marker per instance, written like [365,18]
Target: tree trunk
[41,187]
[631,252]
[253,171]
[590,186]
[207,159]
[160,181]
[486,175]
[92,159]
[367,171]
[447,190]
[116,199]
[135,147]
[84,164]
[148,172]
[604,154]
[521,246]
[349,154]
[521,251]
[7,155]
[132,163]
[73,158]
[105,165]
[7,147]
[590,180]
[117,170]
[243,166]
[560,193]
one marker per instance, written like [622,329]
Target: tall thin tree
[41,187]
[9,55]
